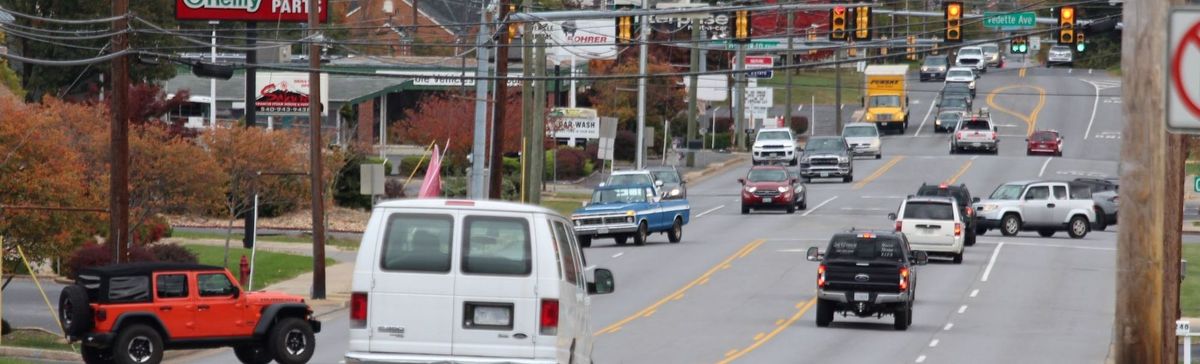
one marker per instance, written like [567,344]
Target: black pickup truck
[867,273]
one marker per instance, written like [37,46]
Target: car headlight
[784,189]
[751,189]
[988,207]
[971,85]
[843,159]
[629,219]
[675,192]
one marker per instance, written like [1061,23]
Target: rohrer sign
[286,93]
[248,10]
[1183,67]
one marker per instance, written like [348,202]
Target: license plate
[975,144]
[766,200]
[492,316]
[862,296]
[602,231]
[824,174]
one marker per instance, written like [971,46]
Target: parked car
[631,177]
[863,139]
[947,119]
[1043,206]
[1105,193]
[867,274]
[934,68]
[1044,142]
[932,224]
[774,145]
[1060,55]
[452,281]
[975,132]
[962,199]
[971,57]
[962,75]
[132,313]
[768,187]
[630,211]
[673,186]
[826,157]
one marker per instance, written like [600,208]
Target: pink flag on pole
[432,186]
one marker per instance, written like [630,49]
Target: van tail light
[957,229]
[899,225]
[821,276]
[903,279]
[358,309]
[549,317]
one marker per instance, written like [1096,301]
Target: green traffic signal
[1079,47]
[1024,48]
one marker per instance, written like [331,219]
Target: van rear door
[410,308]
[929,222]
[496,306]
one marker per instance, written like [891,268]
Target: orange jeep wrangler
[131,313]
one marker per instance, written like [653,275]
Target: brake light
[549,317]
[995,136]
[821,276]
[903,279]
[970,211]
[957,229]
[358,309]
[943,186]
[899,225]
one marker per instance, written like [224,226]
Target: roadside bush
[569,163]
[394,188]
[97,255]
[151,231]
[348,182]
[173,253]
[408,164]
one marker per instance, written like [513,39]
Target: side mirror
[814,254]
[920,257]
[892,216]
[604,283]
[742,180]
[975,200]
[236,293]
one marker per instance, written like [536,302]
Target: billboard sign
[580,123]
[287,93]
[249,10]
[582,38]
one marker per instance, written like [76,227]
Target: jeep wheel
[621,239]
[1046,233]
[252,354]
[639,238]
[94,355]
[74,310]
[675,235]
[585,242]
[292,341]
[138,344]
[1010,225]
[824,313]
[901,318]
[1078,228]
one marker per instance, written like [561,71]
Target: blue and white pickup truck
[624,211]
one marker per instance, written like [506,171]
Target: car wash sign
[249,10]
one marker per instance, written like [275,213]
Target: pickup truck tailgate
[859,276]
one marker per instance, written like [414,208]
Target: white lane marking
[819,206]
[618,255]
[1089,71]
[1063,246]
[974,293]
[933,344]
[709,210]
[949,325]
[991,263]
[921,359]
[974,157]
[865,209]
[1047,163]
[881,197]
[1095,104]
[962,309]
[1069,70]
[925,119]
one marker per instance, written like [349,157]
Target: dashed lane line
[706,212]
[1044,165]
[991,263]
[819,206]
[962,309]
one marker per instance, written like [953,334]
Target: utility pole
[1148,243]
[693,90]
[739,113]
[527,101]
[479,142]
[212,82]
[644,24]
[498,110]
[787,61]
[118,200]
[251,114]
[538,136]
[314,152]
[837,87]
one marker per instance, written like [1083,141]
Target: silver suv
[1043,206]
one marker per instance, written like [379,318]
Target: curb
[701,175]
[39,354]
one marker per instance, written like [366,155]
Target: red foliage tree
[440,117]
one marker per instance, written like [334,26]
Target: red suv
[768,187]
[1044,141]
[131,313]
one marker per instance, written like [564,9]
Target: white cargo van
[458,281]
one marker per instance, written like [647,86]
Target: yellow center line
[650,310]
[879,172]
[1031,119]
[1021,73]
[759,341]
[961,171]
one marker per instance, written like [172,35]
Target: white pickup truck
[975,132]
[1043,206]
[774,145]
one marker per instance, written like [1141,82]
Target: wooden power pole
[496,187]
[315,172]
[1148,245]
[118,200]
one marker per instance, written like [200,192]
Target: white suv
[863,139]
[932,225]
[459,281]
[773,145]
[971,57]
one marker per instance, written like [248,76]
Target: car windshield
[877,248]
[774,135]
[959,195]
[976,124]
[667,177]
[825,144]
[885,101]
[928,210]
[1007,192]
[970,52]
[1043,137]
[950,116]
[955,102]
[960,73]
[619,195]
[767,175]
[990,49]
[629,179]
[935,61]
[860,131]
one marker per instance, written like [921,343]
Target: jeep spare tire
[74,310]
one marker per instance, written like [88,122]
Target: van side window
[496,245]
[417,243]
[561,237]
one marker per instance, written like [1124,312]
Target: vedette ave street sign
[1183,70]
[1010,21]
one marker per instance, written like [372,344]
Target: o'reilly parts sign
[249,10]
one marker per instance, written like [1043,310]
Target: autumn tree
[618,97]
[442,117]
[169,175]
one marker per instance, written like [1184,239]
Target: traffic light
[912,50]
[954,12]
[625,25]
[812,37]
[742,28]
[852,52]
[837,23]
[1066,25]
[862,23]
[1080,45]
[1020,45]
[513,28]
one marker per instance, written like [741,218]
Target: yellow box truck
[886,100]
